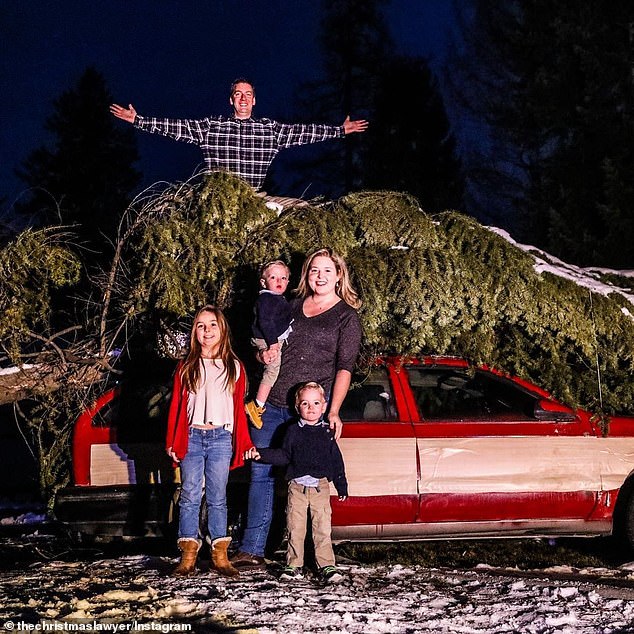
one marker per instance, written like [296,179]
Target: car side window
[370,398]
[107,415]
[460,394]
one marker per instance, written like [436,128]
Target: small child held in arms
[271,328]
[313,458]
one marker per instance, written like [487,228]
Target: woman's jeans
[262,487]
[205,463]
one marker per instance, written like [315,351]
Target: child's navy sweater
[272,317]
[309,450]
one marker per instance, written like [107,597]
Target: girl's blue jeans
[206,463]
[262,487]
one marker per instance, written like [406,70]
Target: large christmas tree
[438,284]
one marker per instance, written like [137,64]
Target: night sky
[171,58]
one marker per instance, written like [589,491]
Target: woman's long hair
[191,368]
[343,288]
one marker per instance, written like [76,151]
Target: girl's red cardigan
[178,425]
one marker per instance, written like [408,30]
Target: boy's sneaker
[330,574]
[291,572]
[254,412]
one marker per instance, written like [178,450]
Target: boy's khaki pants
[300,500]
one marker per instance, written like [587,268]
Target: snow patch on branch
[589,278]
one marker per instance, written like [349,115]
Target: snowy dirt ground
[46,579]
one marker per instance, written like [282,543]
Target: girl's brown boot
[189,552]
[219,560]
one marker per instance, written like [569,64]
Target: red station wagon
[434,449]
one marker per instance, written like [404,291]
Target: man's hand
[127,114]
[353,126]
[171,454]
[335,424]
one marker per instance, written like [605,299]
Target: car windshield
[461,394]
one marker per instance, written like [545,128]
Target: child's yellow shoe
[254,413]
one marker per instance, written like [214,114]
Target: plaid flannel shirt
[245,147]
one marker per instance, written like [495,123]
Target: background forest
[527,125]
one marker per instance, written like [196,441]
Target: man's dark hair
[241,80]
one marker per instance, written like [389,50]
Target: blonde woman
[323,347]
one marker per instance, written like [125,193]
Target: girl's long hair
[191,368]
[344,287]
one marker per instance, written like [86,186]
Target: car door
[490,453]
[379,451]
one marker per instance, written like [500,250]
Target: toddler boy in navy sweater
[271,327]
[313,459]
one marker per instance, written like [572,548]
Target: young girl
[207,434]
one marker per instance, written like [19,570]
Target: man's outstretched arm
[187,130]
[288,134]
[353,126]
[127,114]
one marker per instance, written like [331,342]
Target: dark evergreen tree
[7,231]
[479,80]
[554,83]
[355,44]
[410,145]
[583,181]
[87,177]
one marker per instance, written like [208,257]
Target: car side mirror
[551,410]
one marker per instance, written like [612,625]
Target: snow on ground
[21,512]
[393,598]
